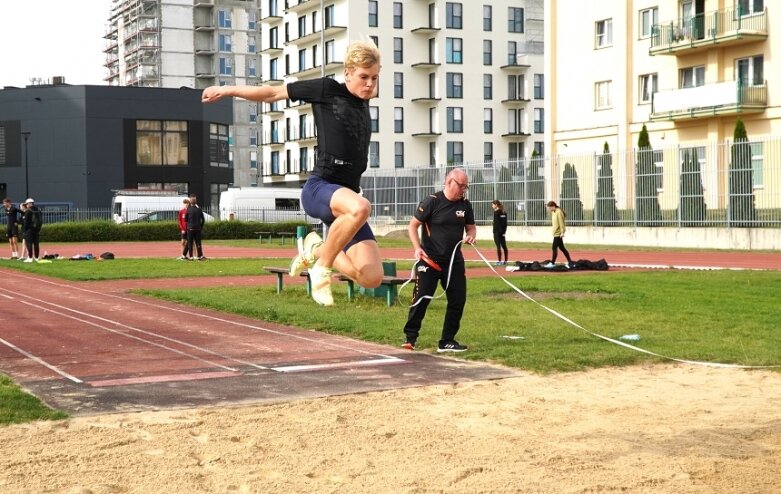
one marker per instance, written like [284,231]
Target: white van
[264,204]
[129,204]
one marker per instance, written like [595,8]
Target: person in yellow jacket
[559,227]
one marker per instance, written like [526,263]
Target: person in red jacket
[183,228]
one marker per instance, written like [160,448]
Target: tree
[647,211]
[606,211]
[692,197]
[742,210]
[570,195]
[535,189]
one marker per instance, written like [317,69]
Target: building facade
[76,144]
[687,70]
[460,81]
[195,44]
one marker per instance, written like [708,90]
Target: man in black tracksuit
[195,221]
[447,218]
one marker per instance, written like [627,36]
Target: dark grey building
[76,144]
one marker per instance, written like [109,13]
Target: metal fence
[713,184]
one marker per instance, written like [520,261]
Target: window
[540,148]
[330,51]
[488,151]
[372,13]
[602,98]
[748,7]
[330,16]
[252,67]
[253,113]
[374,115]
[287,32]
[539,120]
[453,15]
[251,44]
[303,128]
[487,52]
[225,42]
[757,160]
[432,154]
[272,8]
[162,143]
[398,154]
[273,65]
[453,49]
[515,118]
[301,26]
[374,154]
[455,87]
[398,50]
[604,33]
[515,87]
[226,66]
[455,152]
[398,85]
[692,77]
[512,53]
[514,20]
[455,119]
[488,85]
[253,137]
[751,71]
[647,87]
[253,160]
[398,120]
[539,86]
[301,60]
[487,18]
[488,120]
[275,162]
[273,37]
[303,159]
[398,13]
[252,18]
[224,19]
[648,19]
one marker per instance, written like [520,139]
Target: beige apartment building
[461,82]
[687,69]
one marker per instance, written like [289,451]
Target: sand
[655,429]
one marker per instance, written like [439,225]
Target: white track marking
[41,361]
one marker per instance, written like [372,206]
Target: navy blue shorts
[316,200]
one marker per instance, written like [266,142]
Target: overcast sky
[47,38]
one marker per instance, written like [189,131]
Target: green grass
[17,406]
[720,316]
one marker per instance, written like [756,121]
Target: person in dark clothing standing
[195,220]
[500,229]
[182,217]
[446,218]
[332,192]
[12,229]
[33,221]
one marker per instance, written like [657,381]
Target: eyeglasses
[460,185]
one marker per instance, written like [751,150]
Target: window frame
[603,33]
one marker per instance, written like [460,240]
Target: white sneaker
[549,265]
[306,254]
[29,259]
[320,280]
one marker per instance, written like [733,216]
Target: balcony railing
[711,99]
[722,27]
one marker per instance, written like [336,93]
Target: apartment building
[196,44]
[460,81]
[686,69]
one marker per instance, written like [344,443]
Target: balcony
[427,99]
[723,98]
[723,28]
[425,65]
[517,133]
[316,35]
[516,101]
[316,70]
[425,30]
[428,133]
[300,5]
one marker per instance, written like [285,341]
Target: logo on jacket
[460,214]
[422,268]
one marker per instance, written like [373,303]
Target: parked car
[162,216]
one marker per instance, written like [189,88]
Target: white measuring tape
[574,324]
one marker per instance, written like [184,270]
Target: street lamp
[26,166]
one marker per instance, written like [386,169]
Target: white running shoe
[320,280]
[29,259]
[306,254]
[549,265]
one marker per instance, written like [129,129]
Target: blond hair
[362,54]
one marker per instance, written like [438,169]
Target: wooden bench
[271,235]
[391,282]
[281,272]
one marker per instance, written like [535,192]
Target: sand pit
[656,429]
